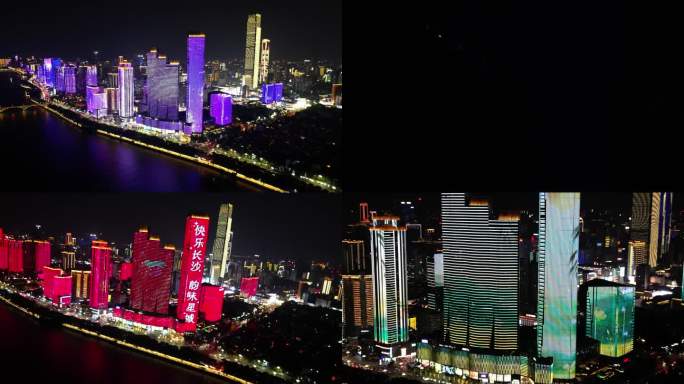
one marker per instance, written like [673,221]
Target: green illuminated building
[610,316]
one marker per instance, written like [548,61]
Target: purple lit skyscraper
[195,85]
[47,68]
[91,76]
[70,79]
[221,108]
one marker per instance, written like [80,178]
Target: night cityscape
[513,287]
[257,107]
[205,300]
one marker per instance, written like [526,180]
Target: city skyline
[319,38]
[258,222]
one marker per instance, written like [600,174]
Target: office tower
[81,281]
[355,257]
[557,280]
[357,303]
[610,316]
[363,213]
[70,79]
[59,81]
[42,254]
[4,253]
[252,51]
[151,85]
[222,244]
[480,261]
[265,49]
[194,251]
[388,255]
[637,252]
[112,100]
[221,108]
[100,267]
[195,95]
[15,262]
[167,82]
[56,286]
[143,248]
[126,90]
[113,80]
[91,75]
[157,280]
[661,217]
[68,260]
[211,302]
[435,280]
[249,286]
[48,72]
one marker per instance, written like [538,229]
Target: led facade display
[221,108]
[195,87]
[557,280]
[192,266]
[100,271]
[610,318]
[248,286]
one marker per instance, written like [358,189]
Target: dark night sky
[297,29]
[302,228]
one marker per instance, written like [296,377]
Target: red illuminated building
[56,287]
[126,271]
[42,254]
[100,271]
[249,286]
[15,256]
[211,302]
[363,213]
[192,267]
[151,273]
[4,253]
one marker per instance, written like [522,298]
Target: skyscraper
[126,90]
[194,252]
[265,51]
[70,79]
[355,257]
[152,267]
[48,73]
[195,68]
[168,75]
[435,282]
[221,108]
[661,218]
[100,271]
[557,280]
[91,75]
[222,244]
[252,51]
[357,303]
[388,254]
[480,258]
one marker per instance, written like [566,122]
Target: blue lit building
[195,98]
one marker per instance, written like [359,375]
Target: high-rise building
[661,217]
[70,79]
[222,244]
[211,302]
[327,286]
[355,257]
[480,259]
[48,73]
[4,253]
[363,213]
[68,260]
[192,264]
[221,108]
[59,79]
[100,267]
[249,286]
[610,316]
[388,254]
[168,77]
[152,98]
[435,282]
[265,50]
[126,90]
[637,252]
[112,100]
[195,94]
[91,76]
[252,51]
[557,280]
[336,94]
[357,303]
[151,279]
[113,80]
[81,281]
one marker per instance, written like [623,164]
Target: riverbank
[118,337]
[102,130]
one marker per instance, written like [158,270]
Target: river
[41,152]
